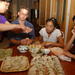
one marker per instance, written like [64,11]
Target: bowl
[22,49]
[45,51]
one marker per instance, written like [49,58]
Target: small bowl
[45,51]
[22,49]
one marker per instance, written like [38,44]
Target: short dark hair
[23,8]
[73,18]
[54,21]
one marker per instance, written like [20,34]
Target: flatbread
[5,53]
[15,64]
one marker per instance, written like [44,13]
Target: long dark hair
[73,18]
[54,21]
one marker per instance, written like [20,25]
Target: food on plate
[5,53]
[15,64]
[57,66]
[57,50]
[35,46]
[35,49]
[45,65]
[60,53]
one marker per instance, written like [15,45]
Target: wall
[50,8]
[16,4]
[63,10]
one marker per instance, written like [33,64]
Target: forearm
[68,46]
[60,42]
[4,27]
[69,54]
[57,44]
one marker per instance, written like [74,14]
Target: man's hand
[22,28]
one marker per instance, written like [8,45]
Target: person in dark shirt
[20,37]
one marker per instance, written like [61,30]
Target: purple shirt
[2,19]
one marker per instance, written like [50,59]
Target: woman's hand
[23,29]
[27,29]
[73,32]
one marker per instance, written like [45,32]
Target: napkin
[64,58]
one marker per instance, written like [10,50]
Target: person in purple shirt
[4,24]
[2,19]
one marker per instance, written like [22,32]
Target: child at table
[51,34]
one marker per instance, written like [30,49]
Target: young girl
[51,34]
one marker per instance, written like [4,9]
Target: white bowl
[22,49]
[45,51]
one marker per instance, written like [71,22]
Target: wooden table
[69,67]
